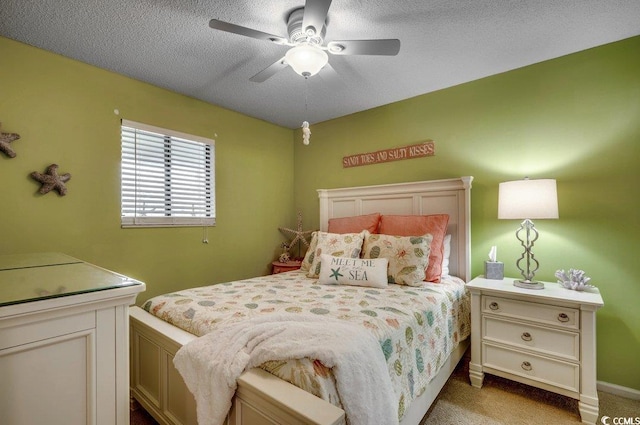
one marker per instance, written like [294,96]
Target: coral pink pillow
[415,225]
[354,224]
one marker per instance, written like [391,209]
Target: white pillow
[353,271]
[447,253]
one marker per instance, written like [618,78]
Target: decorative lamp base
[527,284]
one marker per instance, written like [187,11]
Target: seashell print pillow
[337,245]
[408,256]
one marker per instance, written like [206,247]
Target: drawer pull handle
[526,366]
[562,317]
[494,306]
[526,336]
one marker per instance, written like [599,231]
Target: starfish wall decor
[5,139]
[299,235]
[50,180]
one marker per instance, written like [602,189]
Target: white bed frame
[262,398]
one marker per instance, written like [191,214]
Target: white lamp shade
[306,60]
[526,198]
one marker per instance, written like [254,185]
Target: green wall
[64,113]
[575,119]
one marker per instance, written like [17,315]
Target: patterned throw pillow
[353,271]
[337,245]
[310,254]
[409,225]
[408,256]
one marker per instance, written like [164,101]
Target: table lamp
[525,200]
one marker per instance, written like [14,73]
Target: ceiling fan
[306,28]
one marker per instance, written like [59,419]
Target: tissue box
[494,270]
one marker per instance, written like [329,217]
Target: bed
[264,395]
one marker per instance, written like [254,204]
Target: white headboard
[450,196]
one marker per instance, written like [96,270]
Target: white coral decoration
[574,279]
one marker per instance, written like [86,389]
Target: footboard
[261,398]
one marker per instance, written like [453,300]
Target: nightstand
[278,267]
[544,338]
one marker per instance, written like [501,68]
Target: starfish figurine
[5,139]
[299,235]
[51,180]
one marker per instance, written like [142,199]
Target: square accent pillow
[355,224]
[353,271]
[310,254]
[337,245]
[408,256]
[410,225]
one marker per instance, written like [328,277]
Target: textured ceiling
[443,43]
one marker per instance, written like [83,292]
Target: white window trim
[168,221]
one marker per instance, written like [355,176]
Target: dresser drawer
[538,368]
[542,313]
[549,341]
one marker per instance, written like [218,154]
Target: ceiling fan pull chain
[306,96]
[306,132]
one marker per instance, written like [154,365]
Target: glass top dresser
[35,277]
[64,344]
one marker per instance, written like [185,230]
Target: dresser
[64,343]
[545,338]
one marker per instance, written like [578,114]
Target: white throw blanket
[211,364]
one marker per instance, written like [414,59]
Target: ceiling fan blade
[315,15]
[248,32]
[269,71]
[386,47]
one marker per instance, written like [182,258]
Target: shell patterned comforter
[418,327]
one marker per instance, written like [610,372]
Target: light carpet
[499,402]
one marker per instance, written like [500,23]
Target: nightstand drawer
[541,313]
[538,368]
[543,340]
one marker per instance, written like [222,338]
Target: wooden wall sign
[419,150]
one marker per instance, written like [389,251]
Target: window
[167,178]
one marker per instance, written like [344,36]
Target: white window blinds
[167,178]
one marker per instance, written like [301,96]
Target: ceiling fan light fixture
[306,60]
